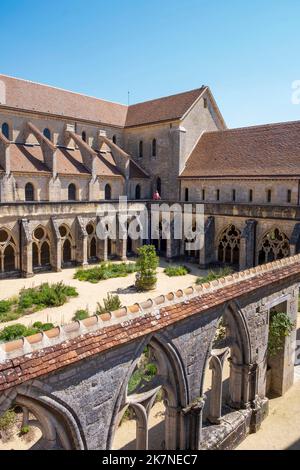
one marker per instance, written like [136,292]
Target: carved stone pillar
[26,264]
[81,242]
[216,364]
[56,247]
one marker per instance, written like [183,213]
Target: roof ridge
[168,96]
[253,128]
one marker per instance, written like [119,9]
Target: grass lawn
[105,271]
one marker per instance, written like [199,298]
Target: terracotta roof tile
[27,95]
[23,94]
[27,158]
[260,151]
[162,109]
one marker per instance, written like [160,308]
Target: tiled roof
[105,334]
[135,171]
[27,95]
[162,109]
[260,151]
[70,162]
[27,158]
[22,94]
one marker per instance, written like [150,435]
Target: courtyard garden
[34,299]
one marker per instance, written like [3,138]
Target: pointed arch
[170,377]
[273,245]
[60,427]
[228,245]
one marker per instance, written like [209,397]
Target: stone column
[56,261]
[193,413]
[247,245]
[216,364]
[207,254]
[81,242]
[26,249]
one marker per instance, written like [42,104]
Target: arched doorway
[67,251]
[41,259]
[67,245]
[49,426]
[9,259]
[226,380]
[91,242]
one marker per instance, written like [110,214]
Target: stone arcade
[63,155]
[74,379]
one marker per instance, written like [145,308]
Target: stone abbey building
[62,155]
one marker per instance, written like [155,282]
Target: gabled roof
[271,150]
[30,96]
[23,94]
[162,109]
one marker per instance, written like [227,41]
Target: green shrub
[43,326]
[213,275]
[105,271]
[18,330]
[147,264]
[172,271]
[280,327]
[12,332]
[111,303]
[24,430]
[46,295]
[5,306]
[81,315]
[7,419]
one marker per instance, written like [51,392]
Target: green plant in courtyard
[280,327]
[7,419]
[34,299]
[213,275]
[172,271]
[111,303]
[24,430]
[105,271]
[147,264]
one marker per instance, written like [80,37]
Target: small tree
[147,264]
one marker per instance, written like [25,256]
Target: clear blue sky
[248,52]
